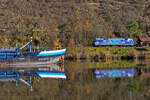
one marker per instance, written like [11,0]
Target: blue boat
[16,56]
[114,72]
[113,42]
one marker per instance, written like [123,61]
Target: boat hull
[31,61]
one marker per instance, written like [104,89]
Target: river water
[81,81]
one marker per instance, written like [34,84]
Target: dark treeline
[73,22]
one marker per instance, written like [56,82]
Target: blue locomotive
[113,42]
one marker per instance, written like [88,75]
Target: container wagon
[143,41]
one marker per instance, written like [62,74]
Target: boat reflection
[22,62]
[26,75]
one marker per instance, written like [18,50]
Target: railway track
[137,48]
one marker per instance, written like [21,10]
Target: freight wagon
[143,41]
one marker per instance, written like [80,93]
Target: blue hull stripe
[51,73]
[51,54]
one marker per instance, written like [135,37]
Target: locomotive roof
[114,38]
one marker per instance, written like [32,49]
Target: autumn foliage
[79,21]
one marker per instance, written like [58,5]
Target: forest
[71,23]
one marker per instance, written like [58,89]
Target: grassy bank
[113,64]
[107,53]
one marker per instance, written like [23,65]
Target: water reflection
[80,83]
[138,70]
[114,72]
[26,75]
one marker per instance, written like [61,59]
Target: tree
[133,28]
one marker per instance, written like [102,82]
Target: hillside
[73,22]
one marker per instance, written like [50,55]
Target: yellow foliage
[140,33]
[87,22]
[57,44]
[88,89]
[78,8]
[77,20]
[77,11]
[18,43]
[1,40]
[0,37]
[87,25]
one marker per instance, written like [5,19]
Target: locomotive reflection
[122,72]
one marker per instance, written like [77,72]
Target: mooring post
[30,80]
[30,47]
[16,82]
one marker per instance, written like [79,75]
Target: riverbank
[108,53]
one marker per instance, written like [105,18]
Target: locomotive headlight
[96,43]
[97,72]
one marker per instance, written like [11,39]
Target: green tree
[133,28]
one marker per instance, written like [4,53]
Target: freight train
[121,42]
